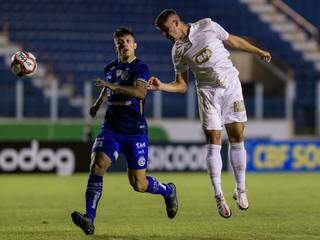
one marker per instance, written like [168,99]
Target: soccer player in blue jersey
[124,130]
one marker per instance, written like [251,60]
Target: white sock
[214,164]
[238,160]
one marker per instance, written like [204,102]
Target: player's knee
[139,185]
[213,136]
[99,165]
[236,138]
[215,140]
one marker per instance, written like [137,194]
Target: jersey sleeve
[222,34]
[179,65]
[142,73]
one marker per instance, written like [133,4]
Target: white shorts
[219,106]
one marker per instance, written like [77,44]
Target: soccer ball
[23,64]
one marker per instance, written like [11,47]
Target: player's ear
[115,45]
[115,48]
[135,46]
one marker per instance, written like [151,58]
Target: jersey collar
[127,62]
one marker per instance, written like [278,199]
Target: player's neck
[185,30]
[127,59]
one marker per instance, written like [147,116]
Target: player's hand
[93,110]
[100,83]
[265,56]
[154,83]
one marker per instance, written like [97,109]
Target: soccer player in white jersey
[199,46]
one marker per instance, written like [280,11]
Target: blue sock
[93,195]
[156,187]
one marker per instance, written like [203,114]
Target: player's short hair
[163,16]
[122,31]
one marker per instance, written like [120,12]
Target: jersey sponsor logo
[141,161]
[140,152]
[177,157]
[238,106]
[34,158]
[141,145]
[202,56]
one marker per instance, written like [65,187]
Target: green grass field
[283,206]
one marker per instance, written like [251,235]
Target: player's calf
[139,185]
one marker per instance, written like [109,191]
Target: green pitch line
[282,206]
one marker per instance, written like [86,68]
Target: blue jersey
[125,114]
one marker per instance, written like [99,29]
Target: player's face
[170,29]
[125,46]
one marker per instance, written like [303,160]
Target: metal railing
[297,18]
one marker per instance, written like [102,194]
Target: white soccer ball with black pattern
[23,64]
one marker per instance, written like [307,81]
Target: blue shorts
[134,147]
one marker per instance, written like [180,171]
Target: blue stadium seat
[75,36]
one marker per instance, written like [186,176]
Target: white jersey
[218,86]
[203,52]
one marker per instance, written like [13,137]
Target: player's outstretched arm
[139,90]
[95,107]
[241,44]
[179,85]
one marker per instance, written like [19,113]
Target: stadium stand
[308,9]
[75,38]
